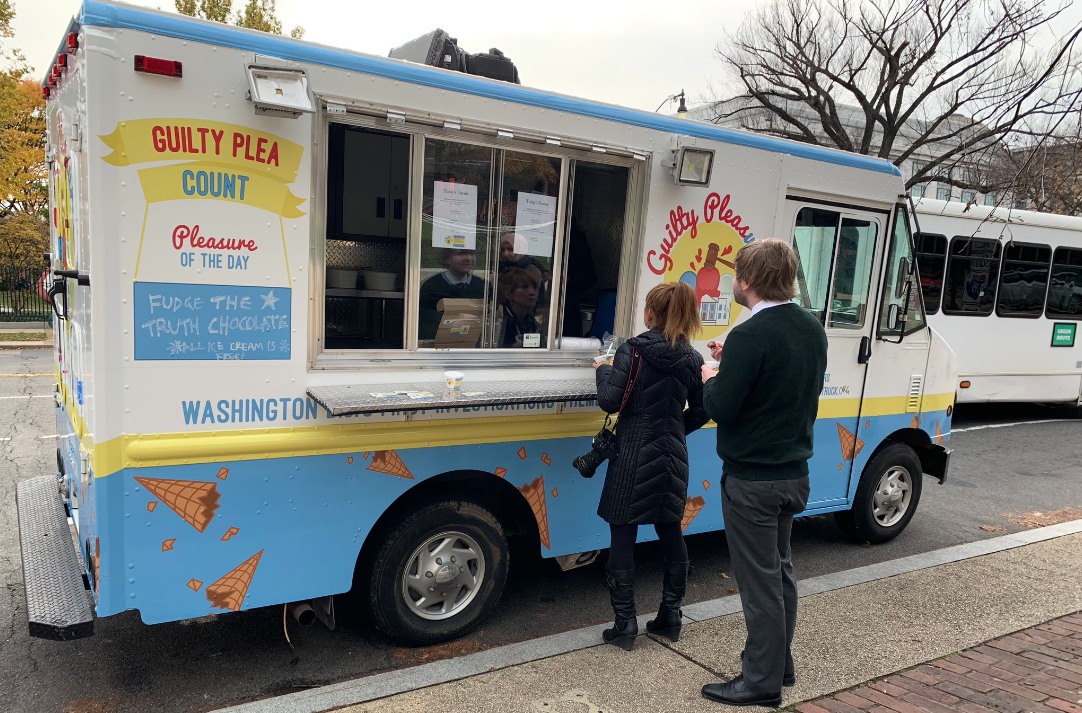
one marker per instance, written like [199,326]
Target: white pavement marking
[41,396]
[42,438]
[1016,423]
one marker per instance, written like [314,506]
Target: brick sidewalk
[1037,670]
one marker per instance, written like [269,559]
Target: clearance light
[57,71]
[153,65]
[62,60]
[950,410]
[964,385]
[73,41]
[50,80]
[45,92]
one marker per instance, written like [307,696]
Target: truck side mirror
[894,317]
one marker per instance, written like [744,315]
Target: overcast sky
[625,52]
[630,52]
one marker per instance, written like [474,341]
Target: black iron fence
[19,298]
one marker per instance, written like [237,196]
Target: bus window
[852,274]
[1065,290]
[813,238]
[1023,281]
[931,257]
[972,272]
[899,262]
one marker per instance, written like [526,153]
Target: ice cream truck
[268,254]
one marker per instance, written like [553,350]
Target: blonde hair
[676,311]
[769,267]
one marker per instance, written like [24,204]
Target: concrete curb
[369,688]
[26,345]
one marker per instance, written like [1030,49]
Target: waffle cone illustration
[388,462]
[692,508]
[915,423]
[938,433]
[851,445]
[535,496]
[193,500]
[229,591]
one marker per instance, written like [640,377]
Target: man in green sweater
[764,398]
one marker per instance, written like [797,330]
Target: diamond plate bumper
[57,605]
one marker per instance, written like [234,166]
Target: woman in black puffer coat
[647,483]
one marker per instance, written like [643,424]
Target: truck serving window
[367,191]
[510,249]
[972,274]
[1023,281]
[931,259]
[1065,289]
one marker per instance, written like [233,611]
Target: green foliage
[256,15]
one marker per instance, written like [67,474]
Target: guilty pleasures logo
[699,249]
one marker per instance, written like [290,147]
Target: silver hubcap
[892,496]
[443,576]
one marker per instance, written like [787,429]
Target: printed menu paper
[454,216]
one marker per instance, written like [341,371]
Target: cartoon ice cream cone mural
[938,433]
[851,445]
[915,423]
[193,500]
[535,495]
[692,508]
[388,462]
[229,591]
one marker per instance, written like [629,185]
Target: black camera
[603,448]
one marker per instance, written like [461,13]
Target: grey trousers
[758,523]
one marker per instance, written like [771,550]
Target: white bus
[1004,288]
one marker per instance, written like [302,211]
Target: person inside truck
[457,281]
[517,294]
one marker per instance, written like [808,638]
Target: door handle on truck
[58,289]
[865,352]
[82,278]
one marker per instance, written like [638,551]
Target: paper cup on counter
[454,380]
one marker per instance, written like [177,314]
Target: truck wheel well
[931,458]
[491,491]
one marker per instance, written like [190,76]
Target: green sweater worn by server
[766,395]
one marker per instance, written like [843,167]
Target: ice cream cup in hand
[454,380]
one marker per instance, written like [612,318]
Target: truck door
[837,248]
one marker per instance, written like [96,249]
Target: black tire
[860,523]
[386,602]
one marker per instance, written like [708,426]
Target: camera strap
[636,367]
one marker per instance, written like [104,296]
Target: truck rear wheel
[887,496]
[438,573]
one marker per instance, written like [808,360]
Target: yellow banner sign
[245,150]
[204,180]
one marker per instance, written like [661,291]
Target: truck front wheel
[438,573]
[887,496]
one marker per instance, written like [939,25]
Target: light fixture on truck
[691,166]
[280,91]
[163,67]
[73,41]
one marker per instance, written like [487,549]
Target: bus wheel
[438,573]
[887,496]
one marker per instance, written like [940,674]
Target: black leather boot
[622,595]
[669,619]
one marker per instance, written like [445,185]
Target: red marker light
[50,80]
[62,60]
[56,71]
[73,41]
[45,92]
[153,65]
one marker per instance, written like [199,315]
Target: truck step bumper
[57,606]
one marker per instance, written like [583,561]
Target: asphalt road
[1000,468]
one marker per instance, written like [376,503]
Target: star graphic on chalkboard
[269,300]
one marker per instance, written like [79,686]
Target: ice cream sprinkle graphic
[692,508]
[193,500]
[390,463]
[535,495]
[229,591]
